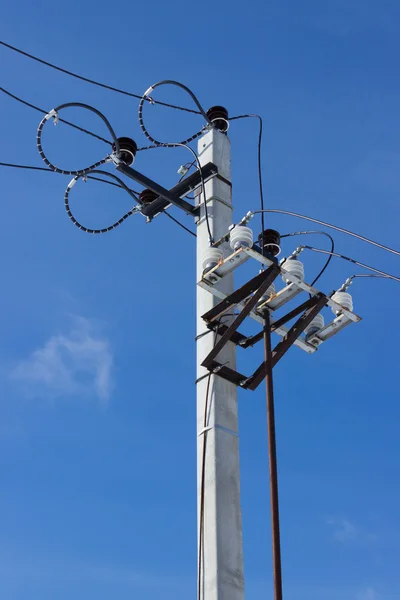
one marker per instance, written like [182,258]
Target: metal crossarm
[262,282]
[283,346]
[251,341]
[241,294]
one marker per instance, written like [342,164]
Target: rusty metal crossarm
[243,292]
[267,277]
[283,346]
[251,341]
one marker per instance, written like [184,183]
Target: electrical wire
[200,570]
[368,275]
[54,113]
[146,96]
[260,181]
[346,231]
[47,170]
[179,223]
[329,257]
[355,262]
[93,82]
[104,229]
[44,112]
[203,183]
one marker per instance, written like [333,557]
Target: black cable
[203,183]
[93,82]
[47,170]
[179,223]
[104,229]
[318,233]
[260,182]
[54,113]
[41,110]
[146,96]
[368,275]
[356,235]
[355,262]
[202,489]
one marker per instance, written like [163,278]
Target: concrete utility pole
[218,488]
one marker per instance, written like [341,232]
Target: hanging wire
[329,257]
[104,229]
[54,114]
[146,96]
[368,275]
[352,260]
[260,181]
[203,183]
[45,112]
[97,83]
[346,231]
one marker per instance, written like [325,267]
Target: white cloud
[368,594]
[78,363]
[346,532]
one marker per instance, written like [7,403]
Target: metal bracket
[257,287]
[174,195]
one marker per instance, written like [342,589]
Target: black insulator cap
[270,242]
[147,196]
[128,149]
[218,115]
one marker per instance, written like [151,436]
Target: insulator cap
[128,149]
[344,299]
[241,236]
[219,116]
[269,242]
[294,267]
[147,196]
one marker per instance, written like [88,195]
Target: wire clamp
[52,114]
[221,427]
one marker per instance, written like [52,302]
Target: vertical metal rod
[273,469]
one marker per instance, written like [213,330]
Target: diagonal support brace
[262,282]
[319,301]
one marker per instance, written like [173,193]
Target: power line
[146,96]
[93,82]
[316,233]
[203,183]
[346,231]
[368,275]
[260,181]
[104,229]
[54,113]
[47,170]
[45,112]
[355,262]
[179,223]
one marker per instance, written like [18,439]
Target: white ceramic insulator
[241,236]
[294,267]
[344,299]
[211,257]
[316,324]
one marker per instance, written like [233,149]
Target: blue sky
[97,409]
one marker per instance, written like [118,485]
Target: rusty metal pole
[273,469]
